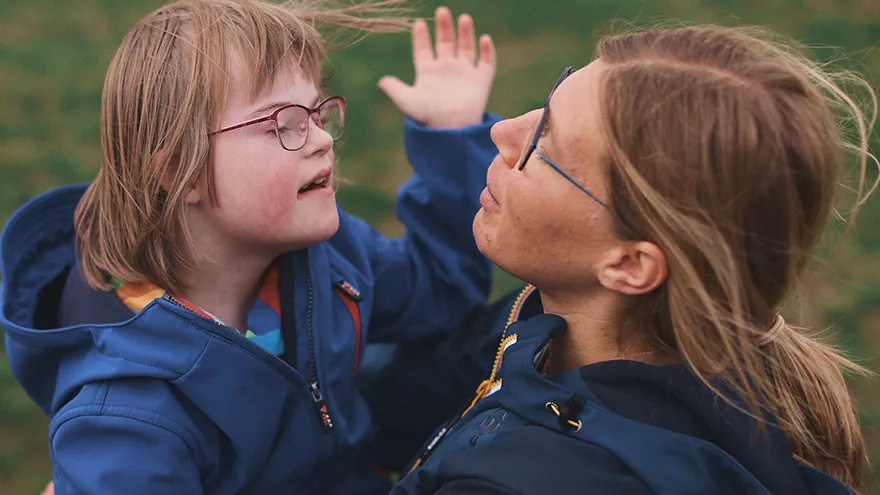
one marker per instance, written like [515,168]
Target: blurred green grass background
[53,56]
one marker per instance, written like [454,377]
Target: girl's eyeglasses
[291,122]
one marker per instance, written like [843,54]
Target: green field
[53,55]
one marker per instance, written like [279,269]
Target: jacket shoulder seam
[96,409]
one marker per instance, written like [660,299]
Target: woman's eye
[545,130]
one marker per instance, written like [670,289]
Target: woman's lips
[489,202]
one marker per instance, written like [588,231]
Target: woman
[669,199]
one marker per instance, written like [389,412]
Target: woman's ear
[633,268]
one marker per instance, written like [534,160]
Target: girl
[193,320]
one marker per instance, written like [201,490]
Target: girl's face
[267,196]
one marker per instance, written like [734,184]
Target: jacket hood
[51,362]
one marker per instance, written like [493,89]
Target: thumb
[397,90]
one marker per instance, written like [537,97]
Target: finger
[487,54]
[467,41]
[445,33]
[397,90]
[421,41]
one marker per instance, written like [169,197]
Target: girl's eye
[267,128]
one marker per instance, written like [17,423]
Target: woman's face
[535,224]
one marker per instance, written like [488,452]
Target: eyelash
[545,130]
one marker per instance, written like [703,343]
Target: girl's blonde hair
[726,151]
[164,91]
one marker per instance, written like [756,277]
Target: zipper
[486,385]
[314,387]
[318,400]
[288,310]
[168,297]
[506,340]
[174,302]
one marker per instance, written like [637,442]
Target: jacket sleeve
[121,454]
[439,375]
[428,280]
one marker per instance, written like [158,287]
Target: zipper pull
[321,407]
[429,448]
[349,290]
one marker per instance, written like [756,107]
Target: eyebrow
[273,105]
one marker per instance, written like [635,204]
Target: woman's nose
[511,136]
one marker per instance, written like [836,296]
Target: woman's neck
[595,331]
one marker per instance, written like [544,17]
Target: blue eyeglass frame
[534,144]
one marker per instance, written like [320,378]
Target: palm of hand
[451,87]
[463,88]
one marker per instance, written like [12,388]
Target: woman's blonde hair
[726,151]
[164,91]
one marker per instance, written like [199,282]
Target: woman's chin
[486,238]
[481,235]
